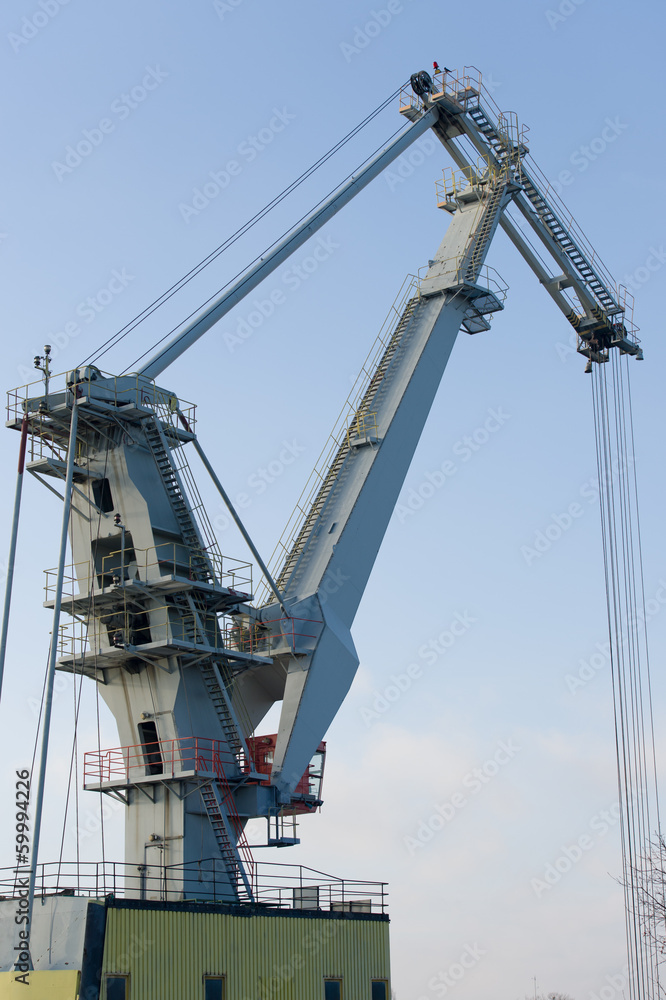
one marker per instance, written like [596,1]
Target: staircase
[483,233]
[504,150]
[227,828]
[565,241]
[199,563]
[220,699]
[498,142]
[194,631]
[319,503]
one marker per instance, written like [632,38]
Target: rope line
[260,255]
[214,254]
[630,667]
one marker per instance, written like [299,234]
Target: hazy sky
[462,789]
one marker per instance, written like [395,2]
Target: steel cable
[630,671]
[214,254]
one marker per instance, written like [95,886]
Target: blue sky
[286,82]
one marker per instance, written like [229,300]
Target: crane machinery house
[189,660]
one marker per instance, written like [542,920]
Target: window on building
[117,988]
[214,987]
[379,989]
[332,989]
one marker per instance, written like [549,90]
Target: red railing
[168,758]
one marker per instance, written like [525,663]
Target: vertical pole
[53,652]
[12,549]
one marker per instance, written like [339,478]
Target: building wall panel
[167,953]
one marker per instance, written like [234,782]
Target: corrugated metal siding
[63,984]
[167,953]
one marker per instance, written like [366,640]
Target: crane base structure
[189,662]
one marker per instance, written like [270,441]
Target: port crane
[166,626]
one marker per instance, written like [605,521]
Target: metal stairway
[200,564]
[567,244]
[194,631]
[482,235]
[504,150]
[225,835]
[220,699]
[345,449]
[498,142]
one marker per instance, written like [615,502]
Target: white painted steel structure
[188,665]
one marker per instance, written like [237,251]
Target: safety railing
[167,626]
[125,565]
[275,886]
[565,217]
[487,276]
[460,87]
[363,427]
[167,758]
[90,382]
[338,436]
[479,175]
[163,626]
[466,90]
[258,638]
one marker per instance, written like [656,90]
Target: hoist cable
[599,425]
[214,254]
[661,868]
[263,253]
[630,669]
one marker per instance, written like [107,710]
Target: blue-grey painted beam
[50,674]
[183,340]
[11,559]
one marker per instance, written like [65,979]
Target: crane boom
[326,571]
[187,663]
[285,248]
